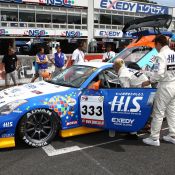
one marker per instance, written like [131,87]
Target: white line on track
[51,151]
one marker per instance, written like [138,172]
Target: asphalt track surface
[92,154]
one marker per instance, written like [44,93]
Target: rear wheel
[38,127]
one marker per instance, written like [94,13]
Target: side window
[108,79]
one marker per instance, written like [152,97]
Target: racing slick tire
[38,127]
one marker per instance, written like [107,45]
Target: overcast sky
[166,2]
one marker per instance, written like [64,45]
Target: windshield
[133,54]
[74,76]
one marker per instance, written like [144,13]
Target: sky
[166,2]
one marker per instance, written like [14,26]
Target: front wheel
[38,127]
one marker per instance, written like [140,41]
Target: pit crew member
[164,103]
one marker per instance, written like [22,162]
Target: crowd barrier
[27,71]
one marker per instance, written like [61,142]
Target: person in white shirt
[164,102]
[129,77]
[108,54]
[78,54]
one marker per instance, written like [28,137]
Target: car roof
[95,64]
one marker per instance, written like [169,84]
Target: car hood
[28,91]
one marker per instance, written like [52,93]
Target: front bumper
[7,142]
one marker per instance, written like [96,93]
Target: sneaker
[168,138]
[152,142]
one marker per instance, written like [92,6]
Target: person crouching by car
[129,77]
[42,61]
[10,62]
[59,60]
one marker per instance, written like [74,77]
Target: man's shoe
[152,142]
[168,138]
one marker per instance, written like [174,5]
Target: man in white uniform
[78,54]
[129,77]
[108,54]
[164,104]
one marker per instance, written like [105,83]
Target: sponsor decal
[66,3]
[34,144]
[17,111]
[110,33]
[72,34]
[101,99]
[7,124]
[71,102]
[39,111]
[36,92]
[133,7]
[15,91]
[84,98]
[122,121]
[7,135]
[30,86]
[71,123]
[93,122]
[2,31]
[127,103]
[35,32]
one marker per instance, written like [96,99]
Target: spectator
[78,54]
[59,60]
[108,54]
[42,61]
[10,62]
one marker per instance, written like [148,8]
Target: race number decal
[92,110]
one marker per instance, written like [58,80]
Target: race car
[142,50]
[83,95]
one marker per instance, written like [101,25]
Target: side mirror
[95,86]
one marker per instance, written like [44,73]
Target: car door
[112,107]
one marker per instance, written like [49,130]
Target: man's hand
[146,83]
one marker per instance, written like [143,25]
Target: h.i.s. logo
[126,104]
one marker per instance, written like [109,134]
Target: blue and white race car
[74,99]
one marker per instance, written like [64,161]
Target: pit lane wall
[27,71]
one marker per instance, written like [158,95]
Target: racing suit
[164,104]
[131,78]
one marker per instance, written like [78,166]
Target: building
[27,22]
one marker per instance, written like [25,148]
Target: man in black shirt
[10,62]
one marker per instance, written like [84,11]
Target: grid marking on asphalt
[51,151]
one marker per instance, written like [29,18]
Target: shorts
[57,71]
[9,76]
[40,71]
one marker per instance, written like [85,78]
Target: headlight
[8,108]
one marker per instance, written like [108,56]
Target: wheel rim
[38,127]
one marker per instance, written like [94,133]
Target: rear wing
[156,22]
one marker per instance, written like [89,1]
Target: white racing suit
[131,78]
[164,104]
